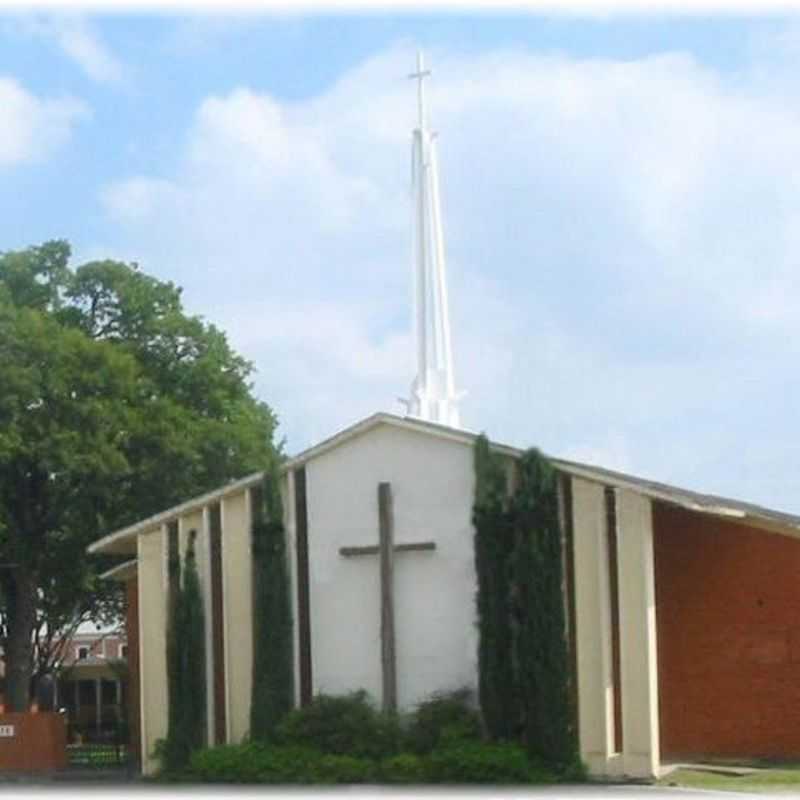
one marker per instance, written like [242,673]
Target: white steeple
[433,395]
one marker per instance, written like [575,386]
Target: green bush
[330,769]
[475,762]
[341,725]
[253,762]
[464,763]
[407,768]
[445,719]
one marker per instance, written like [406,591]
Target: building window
[83,652]
[123,651]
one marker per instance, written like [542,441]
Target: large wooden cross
[386,548]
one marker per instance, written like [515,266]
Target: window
[83,652]
[123,651]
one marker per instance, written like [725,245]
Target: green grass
[777,779]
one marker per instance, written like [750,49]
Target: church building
[682,608]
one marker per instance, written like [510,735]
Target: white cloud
[622,240]
[33,127]
[77,39]
[84,47]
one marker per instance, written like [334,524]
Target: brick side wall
[132,635]
[38,743]
[728,616]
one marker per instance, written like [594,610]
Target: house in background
[92,684]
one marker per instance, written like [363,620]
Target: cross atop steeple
[420,76]
[433,396]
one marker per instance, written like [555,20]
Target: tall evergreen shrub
[540,630]
[497,686]
[186,680]
[273,659]
[522,657]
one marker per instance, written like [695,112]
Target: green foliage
[466,763]
[544,670]
[444,719]
[408,768]
[186,713]
[342,725]
[474,762]
[523,657]
[330,769]
[251,762]
[108,385]
[494,543]
[273,656]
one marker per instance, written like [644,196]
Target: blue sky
[621,199]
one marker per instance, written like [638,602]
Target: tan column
[593,629]
[637,611]
[152,586]
[238,611]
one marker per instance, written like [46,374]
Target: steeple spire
[433,396]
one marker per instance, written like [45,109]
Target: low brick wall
[38,742]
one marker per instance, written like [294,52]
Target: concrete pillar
[593,629]
[637,611]
[238,612]
[152,587]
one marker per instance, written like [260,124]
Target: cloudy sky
[621,197]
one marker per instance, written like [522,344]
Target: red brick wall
[728,616]
[39,743]
[132,635]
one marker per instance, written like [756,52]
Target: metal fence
[97,755]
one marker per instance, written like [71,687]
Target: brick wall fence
[32,742]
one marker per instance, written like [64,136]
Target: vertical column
[386,534]
[218,626]
[303,600]
[238,611]
[593,628]
[153,592]
[641,757]
[204,558]
[290,517]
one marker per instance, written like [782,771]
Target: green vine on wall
[273,655]
[523,652]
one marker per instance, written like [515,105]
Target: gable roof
[123,541]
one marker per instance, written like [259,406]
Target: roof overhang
[123,542]
[122,572]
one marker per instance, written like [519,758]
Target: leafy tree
[114,404]
[273,666]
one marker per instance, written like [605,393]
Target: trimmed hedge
[445,718]
[478,762]
[342,725]
[463,763]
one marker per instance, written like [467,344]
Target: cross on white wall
[386,548]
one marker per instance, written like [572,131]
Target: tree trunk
[19,644]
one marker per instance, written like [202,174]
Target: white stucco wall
[436,638]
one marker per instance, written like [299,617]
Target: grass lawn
[785,778]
